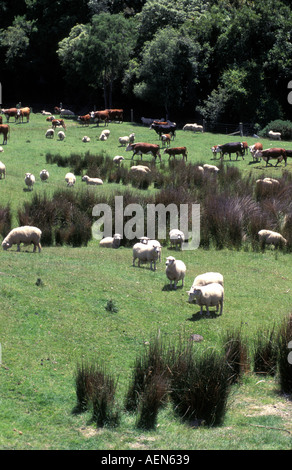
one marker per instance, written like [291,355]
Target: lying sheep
[103,137]
[70,179]
[111,242]
[61,135]
[44,175]
[211,295]
[177,238]
[92,181]
[267,185]
[211,168]
[204,280]
[145,254]
[175,271]
[50,133]
[117,159]
[140,169]
[85,139]
[29,180]
[268,237]
[2,170]
[26,234]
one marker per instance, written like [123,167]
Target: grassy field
[53,315]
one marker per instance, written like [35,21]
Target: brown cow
[84,119]
[268,154]
[100,116]
[57,123]
[23,112]
[177,151]
[10,112]
[1,120]
[5,130]
[116,114]
[245,147]
[142,148]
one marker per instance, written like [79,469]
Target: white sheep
[274,135]
[92,181]
[29,180]
[61,135]
[70,179]
[106,132]
[132,137]
[2,170]
[85,139]
[50,133]
[1,149]
[211,168]
[271,238]
[117,159]
[203,280]
[140,169]
[124,140]
[267,185]
[176,237]
[193,127]
[103,137]
[145,254]
[175,271]
[25,234]
[44,175]
[111,242]
[211,295]
[152,242]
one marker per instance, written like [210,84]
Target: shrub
[236,355]
[284,339]
[265,353]
[285,127]
[5,220]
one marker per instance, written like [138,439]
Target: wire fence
[241,129]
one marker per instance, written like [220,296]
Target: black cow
[160,129]
[231,147]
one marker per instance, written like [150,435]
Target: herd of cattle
[166,131]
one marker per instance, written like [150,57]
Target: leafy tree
[99,51]
[16,38]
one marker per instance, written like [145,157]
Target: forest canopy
[222,60]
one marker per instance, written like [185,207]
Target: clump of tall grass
[284,346]
[265,353]
[200,385]
[5,220]
[236,354]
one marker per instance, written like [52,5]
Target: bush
[236,355]
[285,127]
[265,353]
[5,221]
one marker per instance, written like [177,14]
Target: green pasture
[53,314]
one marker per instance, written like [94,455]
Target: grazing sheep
[70,179]
[177,238]
[117,159]
[175,271]
[92,181]
[204,280]
[274,135]
[61,135]
[25,234]
[2,170]
[111,242]
[145,254]
[50,133]
[193,127]
[124,140]
[44,175]
[103,137]
[85,139]
[211,168]
[268,237]
[211,295]
[29,180]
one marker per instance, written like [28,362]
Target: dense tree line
[225,60]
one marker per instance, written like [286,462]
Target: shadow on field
[197,316]
[167,288]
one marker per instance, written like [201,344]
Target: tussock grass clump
[265,353]
[200,386]
[5,220]
[284,343]
[236,355]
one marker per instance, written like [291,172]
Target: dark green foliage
[285,127]
[5,221]
[111,306]
[265,353]
[284,341]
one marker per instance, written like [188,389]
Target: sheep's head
[170,260]
[6,245]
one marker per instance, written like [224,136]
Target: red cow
[100,116]
[116,114]
[245,147]
[57,123]
[142,148]
[10,112]
[5,130]
[84,119]
[268,154]
[177,151]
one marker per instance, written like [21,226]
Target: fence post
[132,115]
[241,129]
